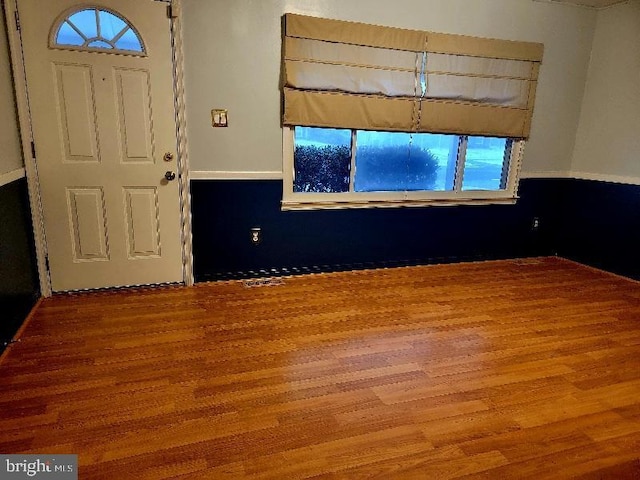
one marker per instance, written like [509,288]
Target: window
[383,116]
[322,160]
[97,29]
[341,167]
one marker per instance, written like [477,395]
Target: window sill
[289,205]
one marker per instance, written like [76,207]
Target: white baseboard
[226,175]
[553,174]
[11,176]
[598,177]
[276,175]
[606,178]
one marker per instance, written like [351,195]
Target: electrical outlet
[256,235]
[535,224]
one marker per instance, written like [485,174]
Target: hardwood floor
[496,370]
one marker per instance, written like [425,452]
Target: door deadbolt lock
[170,176]
[168,157]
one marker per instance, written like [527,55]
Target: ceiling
[590,3]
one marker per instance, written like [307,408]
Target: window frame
[62,18]
[311,200]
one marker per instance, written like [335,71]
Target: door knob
[168,157]
[170,176]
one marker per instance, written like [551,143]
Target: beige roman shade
[352,75]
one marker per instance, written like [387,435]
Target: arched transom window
[97,29]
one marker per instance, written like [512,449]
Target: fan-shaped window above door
[97,29]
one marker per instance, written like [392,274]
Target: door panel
[87,218]
[136,123]
[76,106]
[143,233]
[102,123]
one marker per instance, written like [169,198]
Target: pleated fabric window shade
[341,74]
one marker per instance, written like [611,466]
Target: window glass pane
[68,36]
[322,160]
[85,21]
[389,161]
[100,30]
[486,164]
[99,44]
[110,25]
[129,41]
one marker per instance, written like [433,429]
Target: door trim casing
[31,168]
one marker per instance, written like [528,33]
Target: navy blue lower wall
[224,211]
[601,225]
[18,275]
[592,222]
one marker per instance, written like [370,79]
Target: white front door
[100,87]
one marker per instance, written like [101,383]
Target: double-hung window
[381,116]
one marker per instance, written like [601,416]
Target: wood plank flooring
[495,370]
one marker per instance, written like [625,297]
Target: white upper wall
[608,137]
[10,151]
[232,60]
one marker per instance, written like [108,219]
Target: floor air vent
[262,282]
[528,261]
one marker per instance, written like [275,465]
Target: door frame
[26,137]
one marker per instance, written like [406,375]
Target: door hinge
[33,150]
[173,10]
[17,17]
